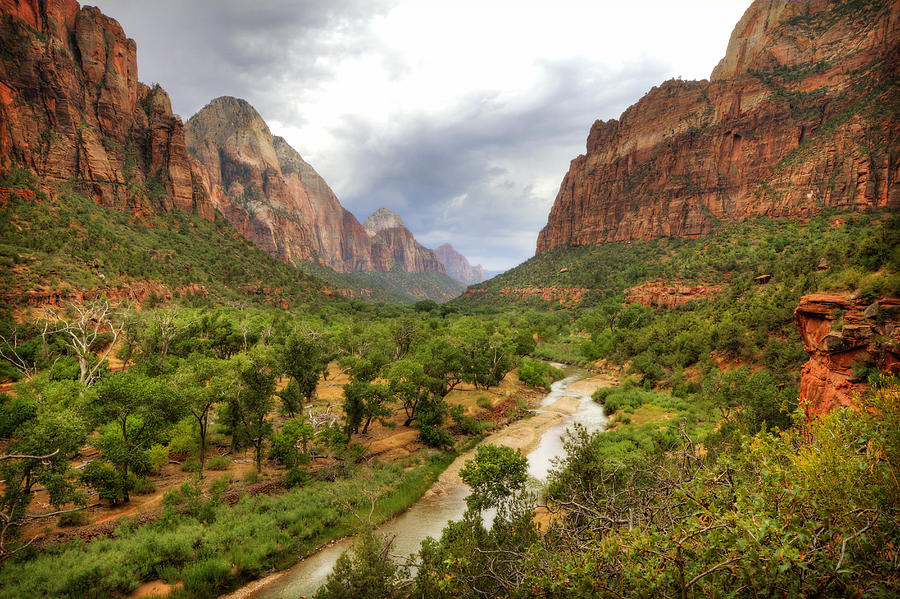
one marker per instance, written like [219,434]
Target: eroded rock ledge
[845,338]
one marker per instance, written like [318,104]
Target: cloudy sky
[460,116]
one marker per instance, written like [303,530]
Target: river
[428,516]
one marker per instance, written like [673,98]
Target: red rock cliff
[72,109]
[844,338]
[801,114]
[279,202]
[393,245]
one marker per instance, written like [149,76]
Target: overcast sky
[460,116]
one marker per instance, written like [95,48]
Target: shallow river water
[428,516]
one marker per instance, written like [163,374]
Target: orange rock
[839,333]
[670,294]
[774,132]
[72,108]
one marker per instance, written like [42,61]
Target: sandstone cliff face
[72,109]
[458,266]
[280,203]
[670,294]
[800,115]
[393,245]
[842,337]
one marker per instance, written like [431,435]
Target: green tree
[254,401]
[304,359]
[138,409]
[495,474]
[368,572]
[203,383]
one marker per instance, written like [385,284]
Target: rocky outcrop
[72,109]
[137,292]
[279,202]
[800,115]
[670,294]
[846,339]
[561,295]
[458,266]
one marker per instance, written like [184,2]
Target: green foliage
[108,482]
[538,374]
[255,535]
[367,573]
[219,462]
[494,474]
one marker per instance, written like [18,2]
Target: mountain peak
[383,219]
[458,266]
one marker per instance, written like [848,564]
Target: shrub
[484,402]
[538,374]
[140,485]
[296,477]
[207,577]
[219,462]
[105,480]
[77,518]
[158,455]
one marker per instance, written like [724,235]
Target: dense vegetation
[802,512]
[705,483]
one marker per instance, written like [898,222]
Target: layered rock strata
[394,246]
[458,267]
[847,339]
[279,202]
[72,109]
[800,115]
[670,294]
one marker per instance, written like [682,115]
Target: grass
[216,547]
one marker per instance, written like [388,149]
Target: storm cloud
[461,117]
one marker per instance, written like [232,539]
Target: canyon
[793,120]
[75,114]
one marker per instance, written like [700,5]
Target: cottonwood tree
[203,383]
[82,325]
[304,358]
[38,454]
[139,408]
[253,401]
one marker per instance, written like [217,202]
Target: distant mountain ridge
[458,266]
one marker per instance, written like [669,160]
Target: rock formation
[279,202]
[844,338]
[800,115]
[458,266]
[670,294]
[393,245]
[72,109]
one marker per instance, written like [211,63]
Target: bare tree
[9,351]
[88,321]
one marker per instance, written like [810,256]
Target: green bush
[207,577]
[219,462]
[158,455]
[77,518]
[538,374]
